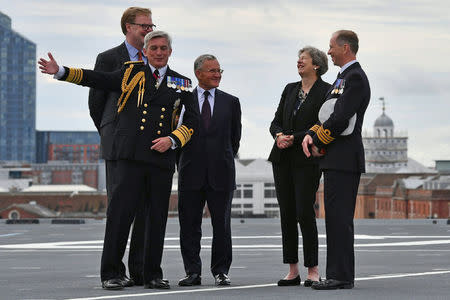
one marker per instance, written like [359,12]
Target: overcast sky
[404,49]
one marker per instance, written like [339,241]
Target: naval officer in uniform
[145,136]
[136,22]
[342,162]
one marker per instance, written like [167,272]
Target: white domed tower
[385,152]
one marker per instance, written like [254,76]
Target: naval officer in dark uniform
[136,22]
[145,136]
[342,159]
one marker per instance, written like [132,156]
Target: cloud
[404,47]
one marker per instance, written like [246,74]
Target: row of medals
[339,86]
[179,83]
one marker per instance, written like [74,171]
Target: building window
[270,205]
[269,190]
[248,205]
[272,213]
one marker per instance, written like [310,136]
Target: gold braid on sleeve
[127,89]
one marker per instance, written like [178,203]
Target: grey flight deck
[395,259]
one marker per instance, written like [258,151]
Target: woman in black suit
[297,177]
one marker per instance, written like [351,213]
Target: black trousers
[130,182]
[340,191]
[136,253]
[296,188]
[190,212]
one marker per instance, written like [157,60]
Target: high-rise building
[17,94]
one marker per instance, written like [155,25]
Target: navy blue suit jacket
[345,153]
[102,103]
[209,155]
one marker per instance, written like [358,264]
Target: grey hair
[319,58]
[156,34]
[198,63]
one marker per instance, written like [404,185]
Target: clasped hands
[284,141]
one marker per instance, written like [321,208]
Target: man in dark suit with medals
[136,22]
[342,159]
[207,174]
[144,139]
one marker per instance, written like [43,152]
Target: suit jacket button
[144,112]
[163,109]
[143,120]
[160,124]
[142,127]
[145,104]
[158,132]
[162,116]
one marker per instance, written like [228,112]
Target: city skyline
[403,49]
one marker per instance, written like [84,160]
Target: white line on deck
[385,276]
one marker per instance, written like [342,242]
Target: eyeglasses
[214,71]
[146,26]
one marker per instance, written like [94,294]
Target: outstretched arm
[109,81]
[48,66]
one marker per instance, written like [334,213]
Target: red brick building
[90,174]
[29,210]
[396,196]
[59,201]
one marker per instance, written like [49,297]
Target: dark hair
[348,37]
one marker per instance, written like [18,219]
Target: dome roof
[383,121]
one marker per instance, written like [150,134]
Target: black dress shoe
[289,282]
[222,279]
[112,284]
[308,282]
[157,283]
[332,284]
[190,280]
[127,282]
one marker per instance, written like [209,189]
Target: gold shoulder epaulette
[134,62]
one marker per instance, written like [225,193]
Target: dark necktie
[206,110]
[156,75]
[139,55]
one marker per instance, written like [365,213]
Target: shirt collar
[162,71]
[347,65]
[200,91]
[131,50]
